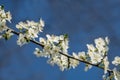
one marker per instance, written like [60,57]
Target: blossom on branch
[106,64]
[53,46]
[29,30]
[4,17]
[116,74]
[116,61]
[99,51]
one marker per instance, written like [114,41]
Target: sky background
[82,20]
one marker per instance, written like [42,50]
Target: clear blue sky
[83,20]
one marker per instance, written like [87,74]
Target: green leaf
[65,36]
[2,7]
[5,36]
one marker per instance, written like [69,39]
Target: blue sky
[82,20]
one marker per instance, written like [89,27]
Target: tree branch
[69,56]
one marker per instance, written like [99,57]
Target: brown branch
[69,56]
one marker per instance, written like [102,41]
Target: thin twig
[67,55]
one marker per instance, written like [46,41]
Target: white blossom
[97,52]
[75,55]
[100,41]
[74,63]
[8,34]
[31,33]
[21,25]
[82,55]
[21,40]
[64,44]
[60,60]
[116,74]
[102,45]
[53,38]
[8,16]
[106,64]
[95,58]
[91,48]
[107,40]
[4,16]
[60,41]
[42,41]
[116,61]
[42,23]
[53,46]
[37,52]
[30,29]
[63,63]
[3,27]
[87,67]
[40,53]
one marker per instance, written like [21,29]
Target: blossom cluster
[99,52]
[29,30]
[116,61]
[53,46]
[116,74]
[4,17]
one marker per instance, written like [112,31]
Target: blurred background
[82,20]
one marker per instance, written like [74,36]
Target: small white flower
[107,40]
[106,64]
[31,23]
[100,41]
[64,45]
[91,48]
[52,38]
[75,55]
[37,52]
[4,16]
[19,26]
[87,67]
[116,61]
[42,41]
[95,58]
[73,63]
[8,34]
[22,25]
[102,45]
[63,63]
[8,16]
[42,23]
[55,49]
[3,27]
[21,40]
[82,55]
[32,33]
[116,74]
